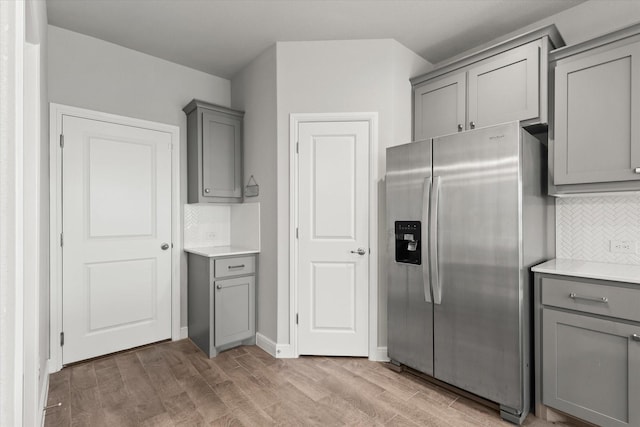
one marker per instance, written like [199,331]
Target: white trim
[44,395]
[266,344]
[285,351]
[294,121]
[56,112]
[380,355]
[184,332]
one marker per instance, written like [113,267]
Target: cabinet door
[591,368]
[234,309]
[439,107]
[505,87]
[597,131]
[221,156]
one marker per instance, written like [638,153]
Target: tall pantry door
[116,208]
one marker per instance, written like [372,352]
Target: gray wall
[342,76]
[253,90]
[90,73]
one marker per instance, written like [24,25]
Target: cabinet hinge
[296,232]
[297,147]
[296,318]
[61,141]
[61,239]
[170,147]
[61,339]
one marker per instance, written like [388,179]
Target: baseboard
[184,332]
[379,355]
[266,344]
[44,394]
[285,351]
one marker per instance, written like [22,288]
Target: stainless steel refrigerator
[467,215]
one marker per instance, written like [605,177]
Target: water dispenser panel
[408,245]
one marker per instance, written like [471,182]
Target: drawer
[236,266]
[605,300]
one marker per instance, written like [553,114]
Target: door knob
[360,251]
[164,246]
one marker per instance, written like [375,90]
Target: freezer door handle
[433,240]
[426,192]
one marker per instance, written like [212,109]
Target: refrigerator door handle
[433,240]
[426,193]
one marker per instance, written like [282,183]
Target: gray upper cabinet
[439,106]
[214,151]
[502,83]
[596,131]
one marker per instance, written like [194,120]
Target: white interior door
[333,221]
[116,208]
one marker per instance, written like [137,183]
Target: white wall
[90,73]
[253,90]
[340,76]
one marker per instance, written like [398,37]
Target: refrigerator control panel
[408,245]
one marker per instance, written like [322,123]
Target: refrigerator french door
[462,314]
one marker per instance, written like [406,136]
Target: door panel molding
[56,113]
[295,120]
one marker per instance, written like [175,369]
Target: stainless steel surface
[231,267]
[472,125]
[477,341]
[164,246]
[207,190]
[360,251]
[602,300]
[410,318]
[636,170]
[635,337]
[436,285]
[218,287]
[426,272]
[460,127]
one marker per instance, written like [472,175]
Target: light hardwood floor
[175,384]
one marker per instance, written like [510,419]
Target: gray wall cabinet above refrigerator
[595,137]
[499,84]
[214,153]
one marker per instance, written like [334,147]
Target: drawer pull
[602,300]
[635,337]
[231,267]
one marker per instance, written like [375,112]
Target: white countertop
[213,251]
[591,270]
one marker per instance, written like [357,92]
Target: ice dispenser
[408,247]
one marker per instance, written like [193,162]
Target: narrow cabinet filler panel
[214,153]
[466,218]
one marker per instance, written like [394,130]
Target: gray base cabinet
[595,134]
[214,153]
[221,302]
[589,349]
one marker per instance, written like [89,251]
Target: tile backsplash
[206,225]
[585,227]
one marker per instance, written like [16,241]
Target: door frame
[56,113]
[295,119]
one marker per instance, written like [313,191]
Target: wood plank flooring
[175,384]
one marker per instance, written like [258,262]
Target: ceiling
[221,37]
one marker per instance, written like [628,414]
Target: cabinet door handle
[207,190]
[635,337]
[235,266]
[218,287]
[472,125]
[636,170]
[602,300]
[459,128]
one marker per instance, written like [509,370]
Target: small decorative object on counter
[251,190]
